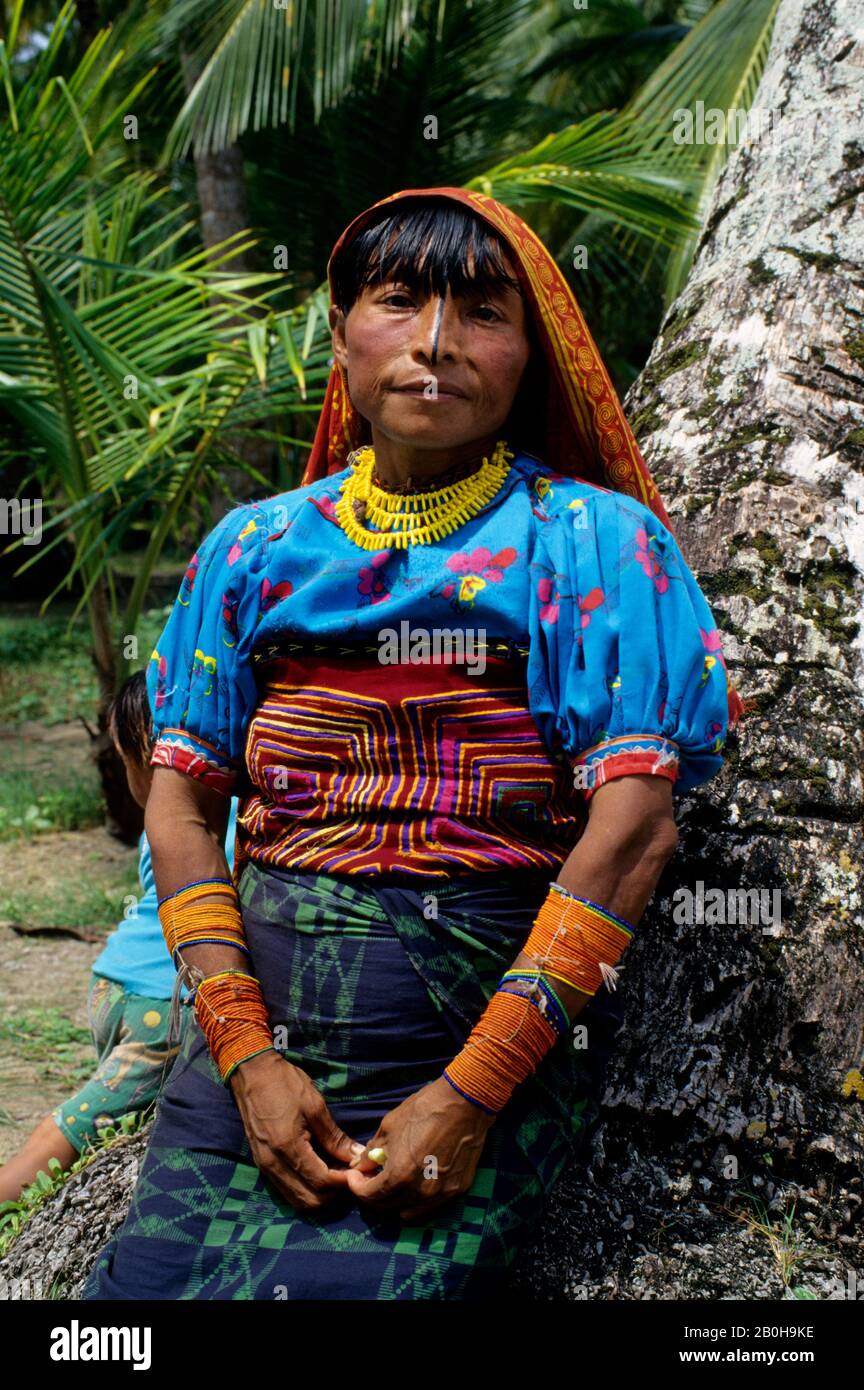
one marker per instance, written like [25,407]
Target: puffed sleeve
[625,671]
[200,679]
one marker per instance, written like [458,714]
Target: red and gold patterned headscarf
[585,435]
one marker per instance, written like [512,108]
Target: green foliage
[42,1032]
[23,642]
[134,365]
[93,898]
[25,812]
[130,360]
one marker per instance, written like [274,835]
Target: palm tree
[345,91]
[124,371]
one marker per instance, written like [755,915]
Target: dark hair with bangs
[130,721]
[425,244]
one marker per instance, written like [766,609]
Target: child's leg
[63,1134]
[130,1033]
[132,1068]
[133,1073]
[46,1141]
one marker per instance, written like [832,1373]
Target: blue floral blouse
[624,669]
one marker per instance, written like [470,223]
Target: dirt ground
[35,746]
[44,979]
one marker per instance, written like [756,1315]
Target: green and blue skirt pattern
[374,988]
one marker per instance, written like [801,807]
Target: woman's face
[433,372]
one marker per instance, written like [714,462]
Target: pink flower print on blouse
[188,582]
[714,731]
[711,643]
[482,562]
[549,597]
[550,603]
[271,594]
[326,505]
[371,583]
[478,568]
[586,605]
[161,679]
[649,561]
[229,618]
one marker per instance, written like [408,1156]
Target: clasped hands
[433,1142]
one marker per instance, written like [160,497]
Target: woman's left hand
[433,1142]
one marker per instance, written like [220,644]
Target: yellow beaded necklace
[414,518]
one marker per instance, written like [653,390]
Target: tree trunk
[738,1074]
[735,1096]
[222,203]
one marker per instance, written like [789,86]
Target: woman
[441,858]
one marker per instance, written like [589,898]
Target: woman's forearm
[575,940]
[185,824]
[629,839]
[616,864]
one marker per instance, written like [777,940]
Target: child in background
[130,992]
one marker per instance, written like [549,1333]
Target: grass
[34,802]
[86,901]
[784,1240]
[46,671]
[47,676]
[47,1038]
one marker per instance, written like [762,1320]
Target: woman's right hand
[281,1109]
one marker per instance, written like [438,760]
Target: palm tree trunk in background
[90,21]
[740,1062]
[222,201]
[221,186]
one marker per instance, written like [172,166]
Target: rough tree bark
[744,1043]
[742,1046]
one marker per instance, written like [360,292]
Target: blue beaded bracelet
[556,1013]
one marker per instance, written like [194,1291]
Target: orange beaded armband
[504,1047]
[573,940]
[580,939]
[188,920]
[233,1016]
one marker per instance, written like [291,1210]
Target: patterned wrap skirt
[373,988]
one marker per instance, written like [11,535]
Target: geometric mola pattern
[362,768]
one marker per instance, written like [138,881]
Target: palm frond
[251,58]
[720,63]
[128,357]
[597,166]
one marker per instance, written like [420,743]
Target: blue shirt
[625,675]
[135,955]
